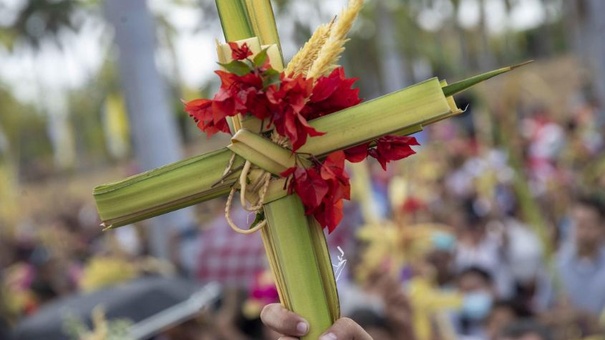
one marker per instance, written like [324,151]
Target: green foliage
[25,131]
[40,20]
[116,329]
[86,107]
[237,67]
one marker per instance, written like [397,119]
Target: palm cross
[294,242]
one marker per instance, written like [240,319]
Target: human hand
[292,326]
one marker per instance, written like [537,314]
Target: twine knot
[258,187]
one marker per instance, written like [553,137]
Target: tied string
[259,187]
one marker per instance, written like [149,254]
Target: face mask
[477,305]
[443,241]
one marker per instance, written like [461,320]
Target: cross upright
[294,242]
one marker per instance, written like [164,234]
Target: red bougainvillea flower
[333,172]
[322,188]
[298,100]
[331,94]
[308,185]
[329,213]
[207,119]
[235,92]
[392,148]
[357,153]
[239,93]
[239,52]
[287,101]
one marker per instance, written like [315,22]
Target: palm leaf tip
[462,85]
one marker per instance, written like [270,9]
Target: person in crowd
[441,257]
[581,264]
[479,247]
[503,314]
[477,287]
[524,254]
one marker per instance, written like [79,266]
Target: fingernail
[329,336]
[302,327]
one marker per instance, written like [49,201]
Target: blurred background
[500,216]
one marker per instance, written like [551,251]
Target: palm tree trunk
[486,57]
[463,39]
[154,130]
[596,8]
[394,73]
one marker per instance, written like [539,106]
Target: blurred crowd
[499,238]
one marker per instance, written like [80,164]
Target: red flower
[239,52]
[333,172]
[287,102]
[309,186]
[223,104]
[250,80]
[228,79]
[329,213]
[322,188]
[330,216]
[392,148]
[241,94]
[207,118]
[357,153]
[331,94]
[256,103]
[237,94]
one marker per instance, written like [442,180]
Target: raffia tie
[258,187]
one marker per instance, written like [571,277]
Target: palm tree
[38,21]
[155,135]
[584,26]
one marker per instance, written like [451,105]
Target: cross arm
[201,178]
[169,188]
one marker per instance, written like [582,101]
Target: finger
[287,338]
[345,329]
[281,320]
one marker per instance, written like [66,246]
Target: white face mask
[477,305]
